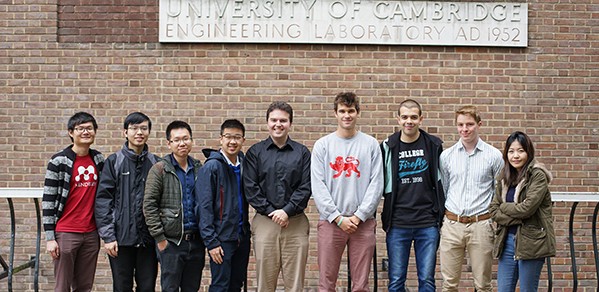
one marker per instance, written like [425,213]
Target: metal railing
[8,268]
[576,198]
[36,193]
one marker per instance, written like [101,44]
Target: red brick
[102,56]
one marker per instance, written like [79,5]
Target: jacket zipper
[182,212]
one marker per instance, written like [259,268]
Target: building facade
[62,56]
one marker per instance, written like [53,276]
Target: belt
[191,236]
[467,219]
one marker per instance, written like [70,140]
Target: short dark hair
[80,118]
[280,105]
[410,103]
[511,175]
[232,124]
[177,125]
[348,99]
[136,118]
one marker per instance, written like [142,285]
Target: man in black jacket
[414,199]
[118,209]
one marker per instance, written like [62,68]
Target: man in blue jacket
[222,210]
[118,210]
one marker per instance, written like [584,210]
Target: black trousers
[139,263]
[181,265]
[232,273]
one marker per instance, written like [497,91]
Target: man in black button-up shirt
[276,180]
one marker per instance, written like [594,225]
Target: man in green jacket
[169,203]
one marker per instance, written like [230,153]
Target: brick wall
[107,21]
[59,56]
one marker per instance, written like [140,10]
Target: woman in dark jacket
[521,208]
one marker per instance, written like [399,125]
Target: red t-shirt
[78,214]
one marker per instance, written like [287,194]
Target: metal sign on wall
[344,22]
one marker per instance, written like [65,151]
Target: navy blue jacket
[217,194]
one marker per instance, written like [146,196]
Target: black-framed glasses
[135,129]
[89,129]
[185,140]
[232,137]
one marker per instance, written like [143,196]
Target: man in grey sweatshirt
[347,185]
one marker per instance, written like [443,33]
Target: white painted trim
[574,197]
[26,193]
[555,196]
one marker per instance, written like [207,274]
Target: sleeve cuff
[269,210]
[289,210]
[50,235]
[333,215]
[361,215]
[213,244]
[160,238]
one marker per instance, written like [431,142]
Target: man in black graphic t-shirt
[412,206]
[414,200]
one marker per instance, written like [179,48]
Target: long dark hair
[511,175]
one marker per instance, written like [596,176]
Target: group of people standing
[151,211]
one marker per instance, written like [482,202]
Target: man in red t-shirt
[68,207]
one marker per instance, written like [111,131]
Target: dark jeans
[139,263]
[232,273]
[181,265]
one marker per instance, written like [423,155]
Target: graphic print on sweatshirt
[348,165]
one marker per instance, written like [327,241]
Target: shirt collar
[227,159]
[176,164]
[479,145]
[270,143]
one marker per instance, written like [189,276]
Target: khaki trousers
[458,237]
[280,249]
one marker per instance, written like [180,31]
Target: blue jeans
[510,270]
[399,243]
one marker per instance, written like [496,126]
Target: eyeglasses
[232,137]
[83,129]
[185,140]
[144,129]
